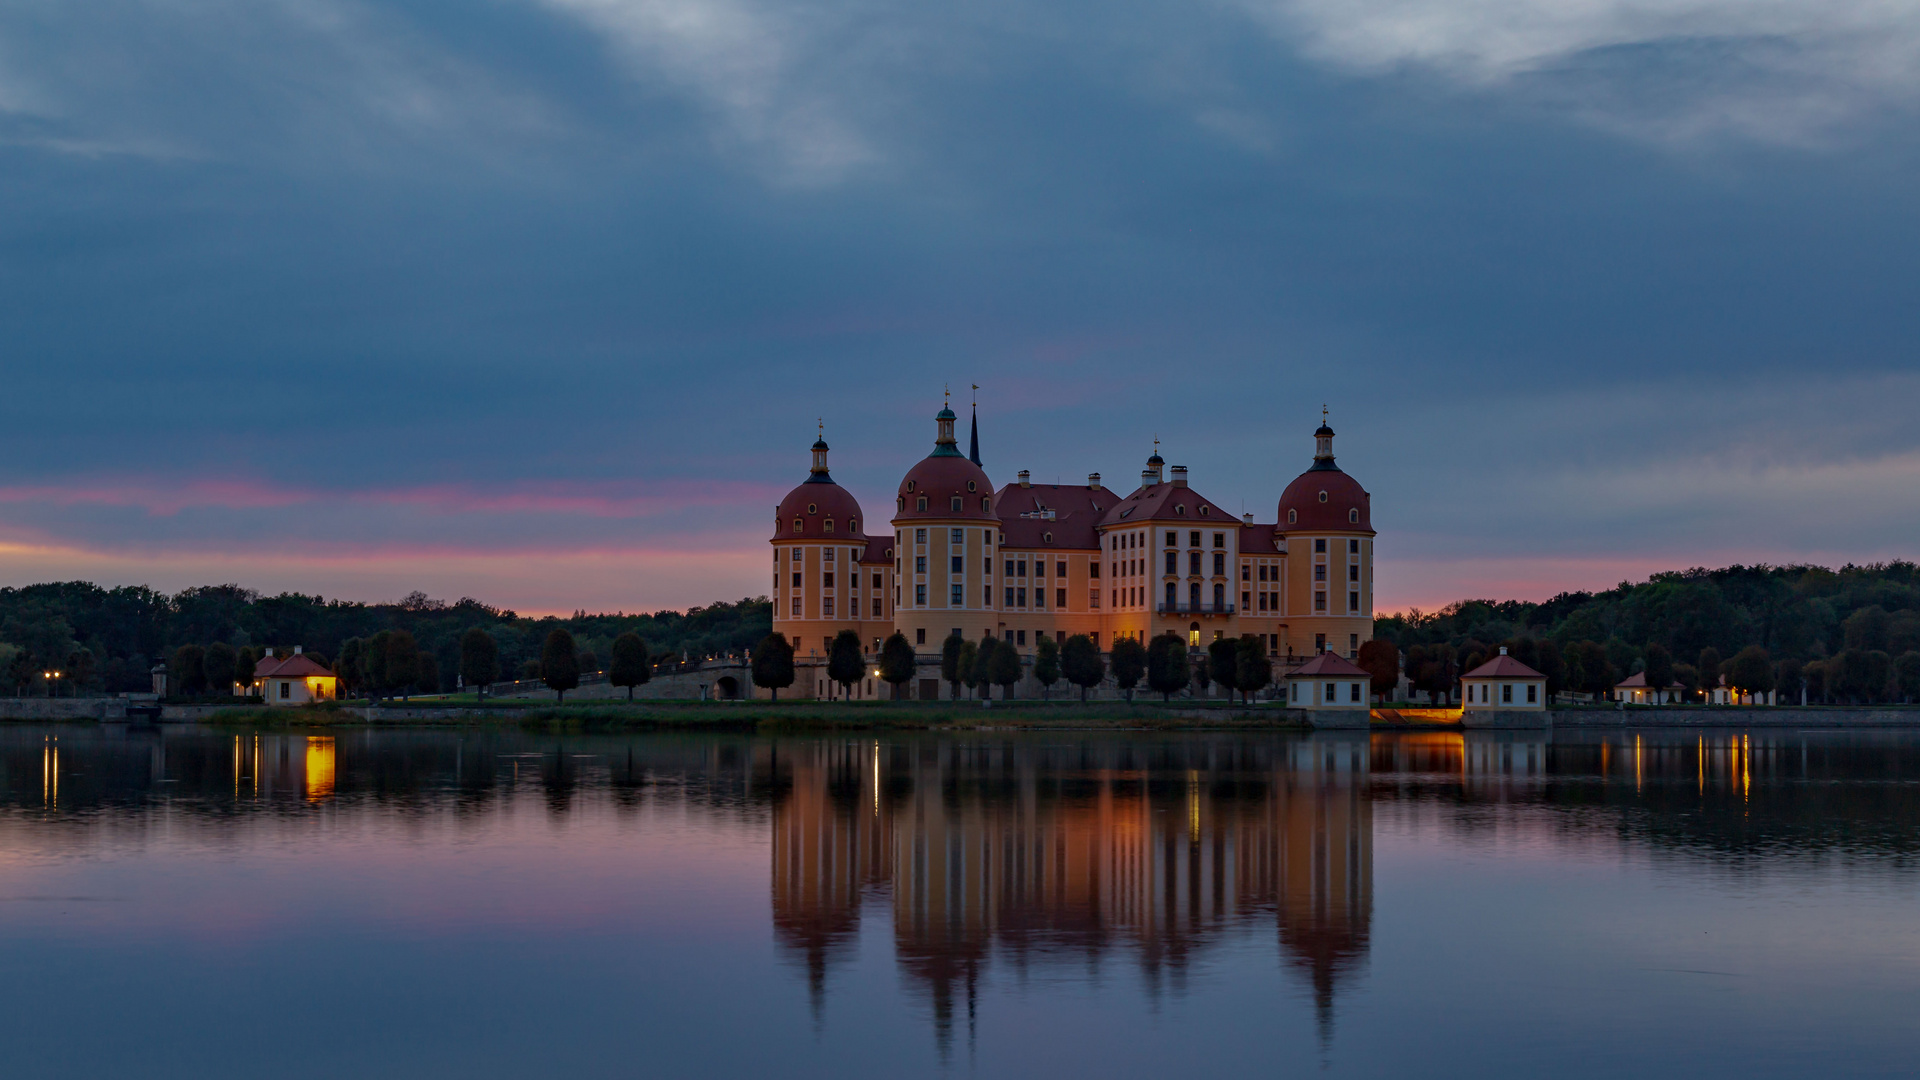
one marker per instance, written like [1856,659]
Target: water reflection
[1031,852]
[1110,862]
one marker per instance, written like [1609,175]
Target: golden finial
[946,395]
[1323,414]
[823,429]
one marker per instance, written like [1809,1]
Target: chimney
[1179,476]
[1246,519]
[1025,478]
[297,649]
[1093,480]
[1503,650]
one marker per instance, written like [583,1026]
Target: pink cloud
[606,499]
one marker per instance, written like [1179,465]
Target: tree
[1220,654]
[402,661]
[1382,660]
[898,662]
[426,676]
[218,666]
[1006,668]
[559,663]
[1080,662]
[773,663]
[969,659]
[845,661]
[245,660]
[952,671]
[1750,670]
[982,677]
[1046,664]
[1167,665]
[1554,666]
[1129,660]
[1906,676]
[1253,669]
[1710,670]
[373,665]
[479,660]
[1867,628]
[187,671]
[1787,680]
[83,671]
[631,665]
[1597,672]
[1659,671]
[352,664]
[1813,675]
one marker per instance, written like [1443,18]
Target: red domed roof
[1324,500]
[940,479]
[808,508]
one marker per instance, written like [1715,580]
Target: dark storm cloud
[317,252]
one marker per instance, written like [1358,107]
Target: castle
[1028,559]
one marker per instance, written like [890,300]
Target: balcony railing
[1204,608]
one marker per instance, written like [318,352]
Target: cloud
[753,66]
[1780,71]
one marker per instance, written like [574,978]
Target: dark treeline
[1851,634]
[109,639]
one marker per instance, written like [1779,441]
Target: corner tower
[1326,522]
[945,533]
[818,549]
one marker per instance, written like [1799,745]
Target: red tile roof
[1169,502]
[1638,681]
[1330,664]
[1076,510]
[1503,667]
[297,666]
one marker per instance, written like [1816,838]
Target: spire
[1151,474]
[819,472]
[973,450]
[1323,445]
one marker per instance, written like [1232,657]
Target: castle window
[1173,539]
[1353,572]
[827,526]
[1021,594]
[1353,602]
[920,535]
[853,525]
[1203,509]
[796,607]
[986,505]
[1046,538]
[920,636]
[796,579]
[956,596]
[971,486]
[1060,569]
[798,525]
[954,502]
[920,595]
[1193,539]
[813,508]
[1353,546]
[909,485]
[1353,515]
[1323,496]
[900,503]
[1292,516]
[826,555]
[956,566]
[919,564]
[1093,570]
[1219,563]
[1219,539]
[921,504]
[1180,509]
[1320,601]
[1320,572]
[876,607]
[1320,545]
[826,605]
[1093,599]
[956,536]
[826,580]
[1059,598]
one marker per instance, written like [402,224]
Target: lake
[189,902]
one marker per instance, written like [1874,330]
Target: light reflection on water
[484,903]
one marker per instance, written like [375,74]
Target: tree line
[1238,665]
[1846,635]
[109,640]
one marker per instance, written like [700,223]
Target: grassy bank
[795,716]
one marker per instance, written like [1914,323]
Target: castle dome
[929,489]
[1325,499]
[818,508]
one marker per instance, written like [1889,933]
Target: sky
[541,301]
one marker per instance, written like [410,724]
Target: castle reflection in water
[1021,852]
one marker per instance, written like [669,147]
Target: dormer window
[1353,515]
[828,526]
[1292,517]
[900,503]
[1323,496]
[1180,509]
[812,508]
[909,485]
[971,486]
[922,503]
[986,506]
[798,525]
[956,503]
[1203,509]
